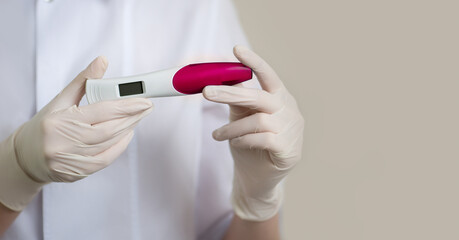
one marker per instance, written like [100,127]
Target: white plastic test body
[176,81]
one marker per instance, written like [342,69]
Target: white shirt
[173,181]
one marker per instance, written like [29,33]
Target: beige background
[377,82]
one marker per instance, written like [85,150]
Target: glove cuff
[257,208]
[16,188]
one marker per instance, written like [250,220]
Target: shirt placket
[47,85]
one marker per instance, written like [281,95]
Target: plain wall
[378,83]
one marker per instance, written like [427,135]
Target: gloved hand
[64,142]
[265,135]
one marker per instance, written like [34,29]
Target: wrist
[256,207]
[16,188]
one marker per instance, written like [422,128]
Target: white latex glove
[265,135]
[64,142]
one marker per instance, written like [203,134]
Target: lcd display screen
[133,88]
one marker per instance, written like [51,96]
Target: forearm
[7,217]
[16,189]
[242,229]
[8,183]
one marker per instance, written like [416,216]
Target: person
[174,176]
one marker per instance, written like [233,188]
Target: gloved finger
[104,131]
[94,149]
[263,141]
[88,134]
[267,77]
[256,123]
[109,110]
[73,167]
[109,155]
[72,94]
[244,97]
[238,112]
[70,167]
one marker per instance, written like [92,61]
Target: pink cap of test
[193,78]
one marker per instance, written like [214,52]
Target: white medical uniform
[173,181]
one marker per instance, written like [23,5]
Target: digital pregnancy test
[176,81]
